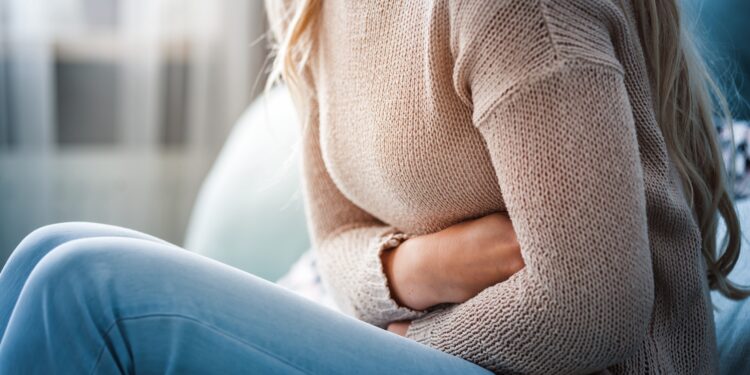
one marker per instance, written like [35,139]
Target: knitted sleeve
[563,143]
[348,242]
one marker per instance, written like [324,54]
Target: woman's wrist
[437,266]
[413,273]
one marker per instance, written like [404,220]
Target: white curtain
[113,110]
[219,42]
[27,52]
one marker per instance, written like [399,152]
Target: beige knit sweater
[429,113]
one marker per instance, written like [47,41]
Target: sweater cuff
[376,282]
[423,330]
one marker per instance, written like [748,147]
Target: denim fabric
[81,298]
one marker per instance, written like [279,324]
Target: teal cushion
[249,211]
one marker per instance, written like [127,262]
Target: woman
[525,186]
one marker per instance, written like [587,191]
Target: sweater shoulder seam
[548,71]
[550,38]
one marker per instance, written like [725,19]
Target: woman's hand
[400,327]
[455,264]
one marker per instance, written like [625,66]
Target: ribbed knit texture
[429,113]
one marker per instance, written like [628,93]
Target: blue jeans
[81,298]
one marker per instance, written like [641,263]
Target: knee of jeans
[42,240]
[74,265]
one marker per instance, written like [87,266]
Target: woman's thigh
[121,305]
[37,245]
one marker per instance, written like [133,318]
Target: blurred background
[114,110]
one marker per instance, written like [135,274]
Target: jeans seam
[189,318]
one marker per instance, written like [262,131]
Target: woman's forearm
[453,265]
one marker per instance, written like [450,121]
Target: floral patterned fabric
[741,162]
[304,279]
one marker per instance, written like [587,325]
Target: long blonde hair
[295,42]
[684,93]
